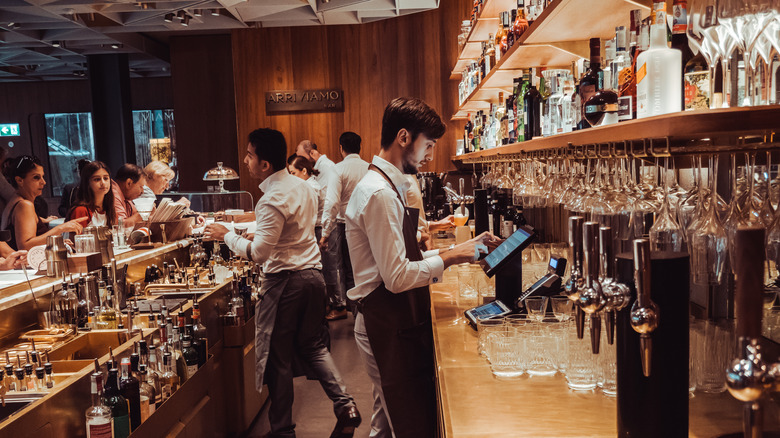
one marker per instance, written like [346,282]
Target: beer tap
[644,312]
[617,295]
[591,299]
[576,279]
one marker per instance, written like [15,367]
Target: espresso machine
[433,194]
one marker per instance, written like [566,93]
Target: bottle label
[625,109]
[98,428]
[641,72]
[506,229]
[191,370]
[490,222]
[697,85]
[166,392]
[144,408]
[605,108]
[680,17]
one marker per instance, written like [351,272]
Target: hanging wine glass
[748,214]
[767,212]
[666,234]
[709,241]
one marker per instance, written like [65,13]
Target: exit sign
[9,130]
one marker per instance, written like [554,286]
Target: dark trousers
[338,267]
[300,321]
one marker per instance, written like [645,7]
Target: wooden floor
[312,410]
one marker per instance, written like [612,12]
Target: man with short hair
[289,320]
[321,162]
[344,177]
[393,325]
[128,184]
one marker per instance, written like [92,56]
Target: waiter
[393,325]
[289,320]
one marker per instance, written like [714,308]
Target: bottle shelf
[688,132]
[555,39]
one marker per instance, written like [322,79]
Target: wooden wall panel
[204,107]
[373,63]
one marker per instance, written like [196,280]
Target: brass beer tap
[591,299]
[617,295]
[576,280]
[644,312]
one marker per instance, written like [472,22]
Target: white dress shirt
[284,238]
[343,179]
[374,228]
[320,198]
[324,166]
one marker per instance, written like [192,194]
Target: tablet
[512,246]
[491,309]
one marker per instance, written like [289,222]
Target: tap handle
[590,243]
[642,270]
[749,279]
[575,240]
[607,253]
[644,313]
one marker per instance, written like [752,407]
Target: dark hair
[350,142]
[291,158]
[411,114]
[81,163]
[301,163]
[85,197]
[129,171]
[19,166]
[269,146]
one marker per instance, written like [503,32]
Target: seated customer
[14,260]
[128,184]
[158,179]
[25,173]
[95,199]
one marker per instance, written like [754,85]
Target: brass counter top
[472,403]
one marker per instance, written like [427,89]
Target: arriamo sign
[304,100]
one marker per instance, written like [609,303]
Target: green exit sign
[9,130]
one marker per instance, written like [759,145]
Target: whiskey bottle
[200,333]
[169,381]
[190,356]
[130,389]
[147,392]
[100,423]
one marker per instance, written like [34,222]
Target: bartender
[289,320]
[393,325]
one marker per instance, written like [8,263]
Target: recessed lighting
[185,21]
[215,12]
[55,43]
[181,15]
[197,12]
[116,46]
[168,18]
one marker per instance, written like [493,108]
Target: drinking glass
[709,241]
[713,356]
[541,350]
[666,234]
[118,235]
[85,243]
[504,352]
[536,307]
[467,289]
[581,369]
[484,327]
[562,307]
[607,363]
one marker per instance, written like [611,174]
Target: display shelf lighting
[169,17]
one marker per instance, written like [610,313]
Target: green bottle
[118,405]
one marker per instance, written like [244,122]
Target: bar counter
[473,403]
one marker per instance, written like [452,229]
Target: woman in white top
[158,180]
[302,168]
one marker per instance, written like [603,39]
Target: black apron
[401,337]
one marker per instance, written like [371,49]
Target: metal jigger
[591,299]
[617,295]
[576,280]
[644,313]
[747,377]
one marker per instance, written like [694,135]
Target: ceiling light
[116,46]
[55,43]
[197,12]
[181,15]
[185,21]
[215,12]
[168,18]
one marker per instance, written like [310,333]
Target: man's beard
[407,167]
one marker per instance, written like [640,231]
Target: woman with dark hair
[303,169]
[95,199]
[25,174]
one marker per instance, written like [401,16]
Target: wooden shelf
[688,132]
[557,38]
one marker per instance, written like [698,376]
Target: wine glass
[666,234]
[709,239]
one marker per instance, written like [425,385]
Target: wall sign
[304,100]
[9,130]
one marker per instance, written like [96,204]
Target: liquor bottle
[40,379]
[48,369]
[114,400]
[602,108]
[147,393]
[108,315]
[592,81]
[502,136]
[200,333]
[659,88]
[680,38]
[484,63]
[484,144]
[520,24]
[520,107]
[530,11]
[697,83]
[568,118]
[82,311]
[531,107]
[130,389]
[236,303]
[169,381]
[477,131]
[190,356]
[100,423]
[510,112]
[502,40]
[468,137]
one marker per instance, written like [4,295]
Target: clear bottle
[147,393]
[169,380]
[66,307]
[567,108]
[108,315]
[200,333]
[130,389]
[100,423]
[114,400]
[502,119]
[659,86]
[190,356]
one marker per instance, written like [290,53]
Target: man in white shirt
[321,162]
[344,177]
[393,325]
[289,320]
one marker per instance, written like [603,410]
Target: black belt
[288,272]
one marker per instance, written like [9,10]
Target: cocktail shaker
[56,257]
